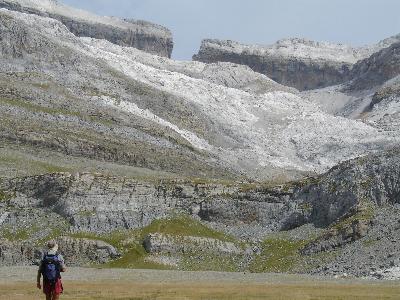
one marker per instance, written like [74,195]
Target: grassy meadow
[207,291]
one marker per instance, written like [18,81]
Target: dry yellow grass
[204,291]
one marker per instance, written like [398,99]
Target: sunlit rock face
[299,63]
[139,34]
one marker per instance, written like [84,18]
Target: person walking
[51,265]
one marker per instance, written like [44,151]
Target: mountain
[143,35]
[131,159]
[295,62]
[120,108]
[370,95]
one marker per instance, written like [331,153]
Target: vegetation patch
[20,234]
[42,85]
[37,108]
[35,166]
[195,261]
[367,183]
[364,213]
[369,242]
[278,255]
[135,258]
[182,225]
[5,196]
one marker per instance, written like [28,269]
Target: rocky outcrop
[142,35]
[353,187]
[240,77]
[387,91]
[76,251]
[371,254]
[177,245]
[384,109]
[339,235]
[377,69]
[298,63]
[82,251]
[18,254]
[97,203]
[344,202]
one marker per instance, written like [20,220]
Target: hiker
[51,265]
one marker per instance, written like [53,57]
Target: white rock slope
[259,134]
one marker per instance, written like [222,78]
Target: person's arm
[39,274]
[63,268]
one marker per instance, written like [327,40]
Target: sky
[354,22]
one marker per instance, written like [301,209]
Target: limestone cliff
[298,63]
[142,35]
[377,69]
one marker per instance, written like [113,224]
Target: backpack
[51,268]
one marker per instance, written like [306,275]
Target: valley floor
[83,283]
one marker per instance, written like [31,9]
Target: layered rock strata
[142,35]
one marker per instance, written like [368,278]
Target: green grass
[135,258]
[33,165]
[278,255]
[86,213]
[115,238]
[49,168]
[182,225]
[203,261]
[55,232]
[14,235]
[364,213]
[43,85]
[26,105]
[37,108]
[4,196]
[369,242]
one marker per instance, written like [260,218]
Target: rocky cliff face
[67,207]
[298,63]
[354,187]
[77,252]
[142,35]
[377,69]
[351,205]
[98,203]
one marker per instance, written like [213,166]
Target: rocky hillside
[128,222]
[142,35]
[371,96]
[92,99]
[299,63]
[377,69]
[130,159]
[360,200]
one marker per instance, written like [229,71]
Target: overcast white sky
[355,22]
